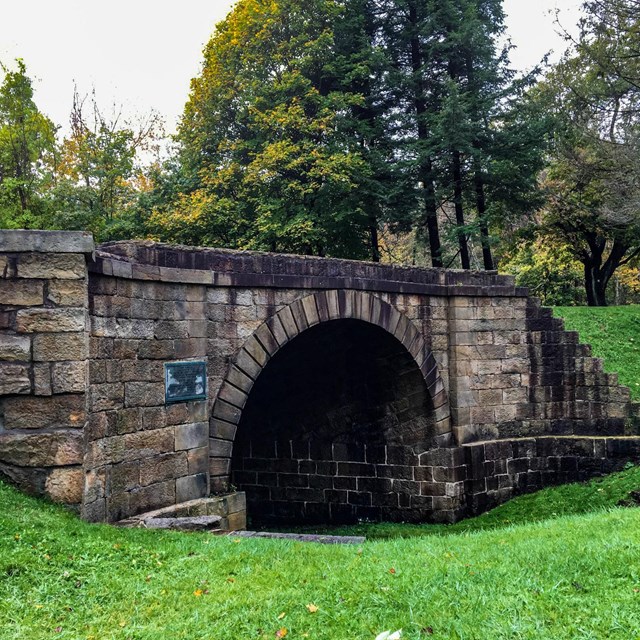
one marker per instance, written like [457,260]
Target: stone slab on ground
[299,537]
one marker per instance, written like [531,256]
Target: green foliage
[98,180]
[549,270]
[592,180]
[614,334]
[263,147]
[27,147]
[563,578]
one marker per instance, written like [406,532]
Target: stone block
[54,347]
[24,412]
[220,448]
[146,444]
[198,460]
[69,377]
[105,397]
[59,448]
[192,487]
[191,436]
[153,418]
[42,379]
[50,266]
[67,293]
[21,240]
[65,485]
[143,394]
[219,466]
[163,467]
[14,379]
[50,320]
[15,347]
[155,496]
[127,421]
[21,293]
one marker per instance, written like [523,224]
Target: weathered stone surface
[144,394]
[15,347]
[191,436]
[65,485]
[163,467]
[25,412]
[191,487]
[69,377]
[21,293]
[42,379]
[54,449]
[186,523]
[63,267]
[50,320]
[20,240]
[67,293]
[14,379]
[146,444]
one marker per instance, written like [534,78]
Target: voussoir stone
[50,320]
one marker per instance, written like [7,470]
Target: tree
[264,141]
[27,148]
[98,178]
[594,175]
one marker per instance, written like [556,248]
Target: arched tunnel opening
[333,429]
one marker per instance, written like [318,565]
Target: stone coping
[142,260]
[29,240]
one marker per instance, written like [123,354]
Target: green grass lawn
[614,334]
[560,564]
[568,576]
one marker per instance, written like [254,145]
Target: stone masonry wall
[43,361]
[517,402]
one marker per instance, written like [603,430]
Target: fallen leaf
[123,623]
[282,615]
[392,570]
[312,608]
[387,635]
[58,629]
[427,630]
[281,633]
[231,579]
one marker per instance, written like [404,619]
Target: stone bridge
[337,390]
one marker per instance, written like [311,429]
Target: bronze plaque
[185,381]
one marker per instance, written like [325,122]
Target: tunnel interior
[333,429]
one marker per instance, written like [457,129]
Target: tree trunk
[425,171]
[374,243]
[481,205]
[457,201]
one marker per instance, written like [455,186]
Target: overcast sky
[141,54]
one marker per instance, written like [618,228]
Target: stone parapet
[44,349]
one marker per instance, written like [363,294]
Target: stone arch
[282,328]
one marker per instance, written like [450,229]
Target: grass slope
[569,577]
[614,334]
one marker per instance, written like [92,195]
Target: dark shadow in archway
[333,429]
